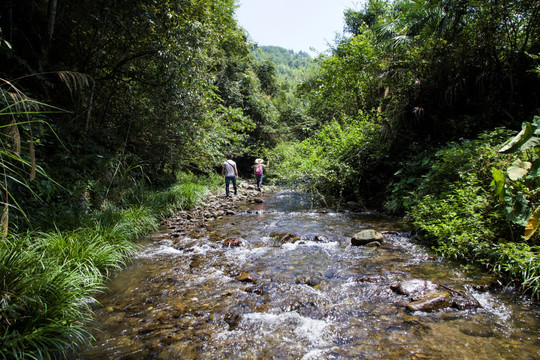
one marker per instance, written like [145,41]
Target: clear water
[182,298]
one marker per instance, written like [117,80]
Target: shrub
[433,172]
[457,221]
[336,161]
[456,208]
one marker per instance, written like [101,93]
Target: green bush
[336,161]
[433,172]
[456,209]
[457,221]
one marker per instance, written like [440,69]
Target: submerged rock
[365,237]
[370,279]
[232,242]
[314,237]
[477,331]
[373,244]
[258,290]
[413,287]
[306,281]
[282,238]
[248,277]
[430,302]
[465,302]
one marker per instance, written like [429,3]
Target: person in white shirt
[230,172]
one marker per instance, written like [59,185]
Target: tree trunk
[46,48]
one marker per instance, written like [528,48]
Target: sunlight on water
[314,298]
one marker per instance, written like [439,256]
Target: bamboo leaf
[532,224]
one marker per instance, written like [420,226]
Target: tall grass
[42,309]
[187,192]
[47,280]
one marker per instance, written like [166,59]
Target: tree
[173,86]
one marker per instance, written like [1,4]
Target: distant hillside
[291,67]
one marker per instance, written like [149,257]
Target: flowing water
[317,298]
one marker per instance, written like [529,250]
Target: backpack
[258,169]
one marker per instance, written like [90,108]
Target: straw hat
[259,161]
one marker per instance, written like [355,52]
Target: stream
[314,296]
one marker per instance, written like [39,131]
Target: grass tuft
[48,279]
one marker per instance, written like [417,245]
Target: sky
[299,25]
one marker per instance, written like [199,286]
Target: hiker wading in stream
[258,170]
[230,172]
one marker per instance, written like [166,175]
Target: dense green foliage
[466,219]
[290,67]
[429,72]
[328,161]
[153,87]
[519,189]
[406,112]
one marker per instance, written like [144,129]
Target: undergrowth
[49,278]
[453,205]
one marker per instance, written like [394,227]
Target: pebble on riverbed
[248,277]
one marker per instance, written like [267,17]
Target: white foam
[314,355]
[202,249]
[209,275]
[310,330]
[241,255]
[490,304]
[161,250]
[323,245]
